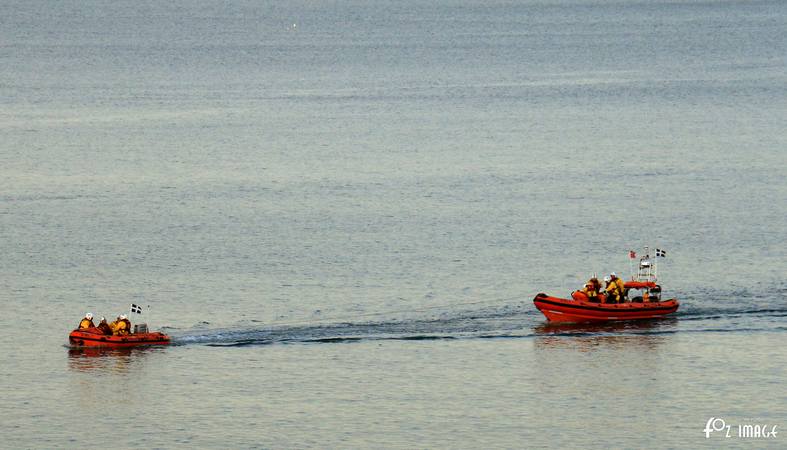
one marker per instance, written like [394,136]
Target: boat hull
[94,338]
[564,310]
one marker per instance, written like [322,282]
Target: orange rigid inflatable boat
[578,311]
[93,337]
[579,308]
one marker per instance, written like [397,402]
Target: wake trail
[517,320]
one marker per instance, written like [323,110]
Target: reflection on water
[649,326]
[98,375]
[647,334]
[108,360]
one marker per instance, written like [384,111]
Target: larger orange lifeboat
[579,311]
[579,308]
[93,337]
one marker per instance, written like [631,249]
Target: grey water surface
[341,212]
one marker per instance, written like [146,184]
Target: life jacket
[85,324]
[121,327]
[128,325]
[621,286]
[613,292]
[118,327]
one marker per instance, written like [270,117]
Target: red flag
[632,254]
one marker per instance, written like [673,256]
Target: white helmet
[123,317]
[607,279]
[103,319]
[613,275]
[89,316]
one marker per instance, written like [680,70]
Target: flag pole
[656,269]
[146,320]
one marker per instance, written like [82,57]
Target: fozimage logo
[749,430]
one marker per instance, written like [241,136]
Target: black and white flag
[136,309]
[661,253]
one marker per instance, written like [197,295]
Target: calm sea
[341,212]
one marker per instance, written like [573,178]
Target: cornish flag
[661,253]
[136,309]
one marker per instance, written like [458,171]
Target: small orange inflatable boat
[93,337]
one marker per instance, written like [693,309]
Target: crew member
[114,324]
[104,327]
[596,284]
[87,322]
[125,320]
[611,290]
[620,284]
[591,289]
[119,326]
